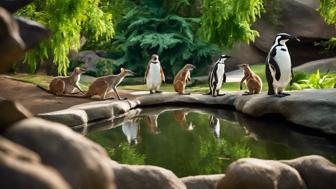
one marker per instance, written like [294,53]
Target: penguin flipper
[269,81]
[275,68]
[224,78]
[291,81]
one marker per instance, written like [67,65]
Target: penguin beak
[295,38]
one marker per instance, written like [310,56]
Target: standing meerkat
[251,80]
[65,85]
[181,79]
[154,75]
[102,85]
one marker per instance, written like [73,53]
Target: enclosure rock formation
[202,181]
[145,177]
[82,163]
[296,17]
[250,173]
[324,65]
[311,172]
[314,109]
[17,34]
[22,168]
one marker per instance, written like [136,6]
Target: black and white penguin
[154,74]
[279,70]
[217,76]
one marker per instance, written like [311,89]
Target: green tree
[328,12]
[227,21]
[68,20]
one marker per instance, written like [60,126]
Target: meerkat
[154,75]
[65,85]
[181,79]
[102,85]
[251,80]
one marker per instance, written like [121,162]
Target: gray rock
[316,171]
[11,112]
[90,59]
[145,177]
[69,117]
[250,173]
[310,108]
[82,163]
[105,109]
[324,65]
[22,168]
[202,181]
[297,17]
[14,5]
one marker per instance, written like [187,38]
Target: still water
[191,141]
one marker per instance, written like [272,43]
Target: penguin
[215,125]
[279,72]
[217,76]
[131,129]
[154,74]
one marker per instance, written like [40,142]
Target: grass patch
[44,80]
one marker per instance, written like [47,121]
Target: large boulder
[11,112]
[316,171]
[22,168]
[82,163]
[250,173]
[202,181]
[324,65]
[311,108]
[297,17]
[145,177]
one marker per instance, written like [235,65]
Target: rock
[31,32]
[202,181]
[324,65]
[82,163]
[310,108]
[145,177]
[11,46]
[316,171]
[11,112]
[297,17]
[90,58]
[105,109]
[250,173]
[69,117]
[14,5]
[21,168]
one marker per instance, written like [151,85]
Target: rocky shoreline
[315,109]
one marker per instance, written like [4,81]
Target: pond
[190,141]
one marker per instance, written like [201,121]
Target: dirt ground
[36,100]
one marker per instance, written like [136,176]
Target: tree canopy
[67,20]
[328,12]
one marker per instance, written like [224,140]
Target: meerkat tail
[44,89]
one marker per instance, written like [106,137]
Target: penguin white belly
[220,73]
[153,79]
[283,60]
[130,130]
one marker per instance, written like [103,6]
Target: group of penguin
[279,71]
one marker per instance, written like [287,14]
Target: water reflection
[131,130]
[168,137]
[151,123]
[215,125]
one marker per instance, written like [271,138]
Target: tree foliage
[328,12]
[67,20]
[150,27]
[227,21]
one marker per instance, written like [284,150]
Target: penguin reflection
[131,130]
[151,123]
[215,125]
[180,117]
